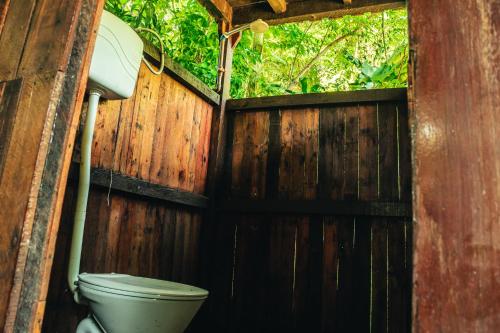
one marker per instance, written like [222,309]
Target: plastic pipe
[162,52]
[83,192]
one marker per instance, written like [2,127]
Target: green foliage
[294,58]
[189,33]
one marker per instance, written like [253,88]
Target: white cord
[162,62]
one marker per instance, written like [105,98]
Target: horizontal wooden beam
[219,9]
[322,99]
[310,10]
[181,74]
[123,183]
[317,207]
[278,6]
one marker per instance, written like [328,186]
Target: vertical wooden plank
[175,137]
[124,248]
[9,97]
[34,265]
[148,106]
[250,275]
[456,165]
[138,124]
[388,191]
[4,8]
[103,149]
[259,155]
[250,124]
[15,182]
[405,195]
[286,141]
[330,169]
[162,126]
[167,241]
[368,190]
[349,122]
[123,138]
[203,150]
[283,231]
[194,144]
[238,141]
[222,274]
[274,155]
[307,265]
[54,23]
[184,152]
[251,259]
[116,216]
[13,35]
[181,222]
[150,242]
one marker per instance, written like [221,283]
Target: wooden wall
[160,135]
[43,71]
[278,270]
[457,164]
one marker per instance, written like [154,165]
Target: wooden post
[216,157]
[43,72]
[454,99]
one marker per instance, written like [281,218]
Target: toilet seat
[135,286]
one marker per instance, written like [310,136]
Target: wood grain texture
[181,74]
[456,165]
[44,53]
[320,99]
[28,296]
[332,265]
[159,135]
[15,181]
[129,235]
[151,147]
[308,10]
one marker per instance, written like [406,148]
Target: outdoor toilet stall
[361,211]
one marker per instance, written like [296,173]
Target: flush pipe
[83,193]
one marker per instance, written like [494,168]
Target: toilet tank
[116,59]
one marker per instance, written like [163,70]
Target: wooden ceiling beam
[220,9]
[278,6]
[311,10]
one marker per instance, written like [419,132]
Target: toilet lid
[141,285]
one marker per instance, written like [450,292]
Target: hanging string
[110,183]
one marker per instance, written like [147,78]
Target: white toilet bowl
[122,303]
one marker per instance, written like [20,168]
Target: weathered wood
[218,137]
[156,135]
[130,235]
[49,93]
[319,207]
[317,100]
[16,21]
[181,74]
[119,182]
[278,6]
[15,182]
[329,172]
[309,10]
[456,164]
[324,254]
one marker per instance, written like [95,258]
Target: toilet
[120,303]
[126,303]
